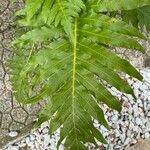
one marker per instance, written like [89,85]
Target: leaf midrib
[74,71]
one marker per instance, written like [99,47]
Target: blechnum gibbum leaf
[139,17]
[65,55]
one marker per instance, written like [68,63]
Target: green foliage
[115,5]
[138,17]
[65,56]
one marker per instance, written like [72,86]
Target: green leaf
[114,5]
[52,12]
[66,57]
[109,59]
[41,34]
[138,17]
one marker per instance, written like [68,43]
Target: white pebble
[114,118]
[22,144]
[15,148]
[144,87]
[136,129]
[27,140]
[147,94]
[105,134]
[53,147]
[148,75]
[138,121]
[36,133]
[128,133]
[32,137]
[130,110]
[147,135]
[45,130]
[44,125]
[117,147]
[47,140]
[131,126]
[122,137]
[37,145]
[127,141]
[61,147]
[13,134]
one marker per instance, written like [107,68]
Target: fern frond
[115,5]
[63,11]
[50,12]
[135,12]
[70,67]
[138,17]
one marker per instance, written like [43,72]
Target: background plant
[65,55]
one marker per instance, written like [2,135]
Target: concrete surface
[141,145]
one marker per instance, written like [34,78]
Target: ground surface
[142,145]
[14,119]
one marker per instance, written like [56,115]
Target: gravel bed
[131,125]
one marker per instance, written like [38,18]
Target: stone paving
[14,117]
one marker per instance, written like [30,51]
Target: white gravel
[132,124]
